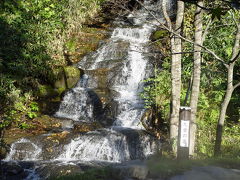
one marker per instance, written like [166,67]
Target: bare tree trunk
[176,44]
[196,73]
[224,106]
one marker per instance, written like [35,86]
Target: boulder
[13,171]
[67,77]
[159,34]
[82,127]
[46,91]
[49,123]
[130,170]
[56,170]
[72,75]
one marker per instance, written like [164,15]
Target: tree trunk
[223,110]
[176,44]
[196,74]
[229,91]
[176,47]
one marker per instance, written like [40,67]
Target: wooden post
[184,133]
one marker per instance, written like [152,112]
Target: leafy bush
[33,35]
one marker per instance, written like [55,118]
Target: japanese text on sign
[184,138]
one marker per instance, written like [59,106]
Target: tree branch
[236,86]
[169,23]
[186,52]
[236,47]
[185,39]
[209,23]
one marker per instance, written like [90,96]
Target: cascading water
[112,144]
[108,93]
[76,104]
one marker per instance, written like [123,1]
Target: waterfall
[127,82]
[112,144]
[108,91]
[76,104]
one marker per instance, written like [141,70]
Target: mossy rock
[46,91]
[47,123]
[83,43]
[86,127]
[67,77]
[160,34]
[71,71]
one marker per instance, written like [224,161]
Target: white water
[110,144]
[28,151]
[75,104]
[113,146]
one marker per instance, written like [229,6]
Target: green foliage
[231,140]
[71,45]
[220,39]
[157,91]
[223,39]
[160,34]
[33,35]
[213,84]
[21,109]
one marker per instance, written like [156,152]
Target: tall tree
[176,46]
[197,57]
[230,85]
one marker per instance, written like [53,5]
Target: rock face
[209,173]
[84,42]
[13,171]
[67,77]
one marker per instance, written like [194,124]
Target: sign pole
[184,133]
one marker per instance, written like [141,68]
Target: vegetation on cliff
[39,40]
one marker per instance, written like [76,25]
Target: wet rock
[13,171]
[105,107]
[111,53]
[55,170]
[98,77]
[83,43]
[12,168]
[41,147]
[67,77]
[52,145]
[86,127]
[67,123]
[49,123]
